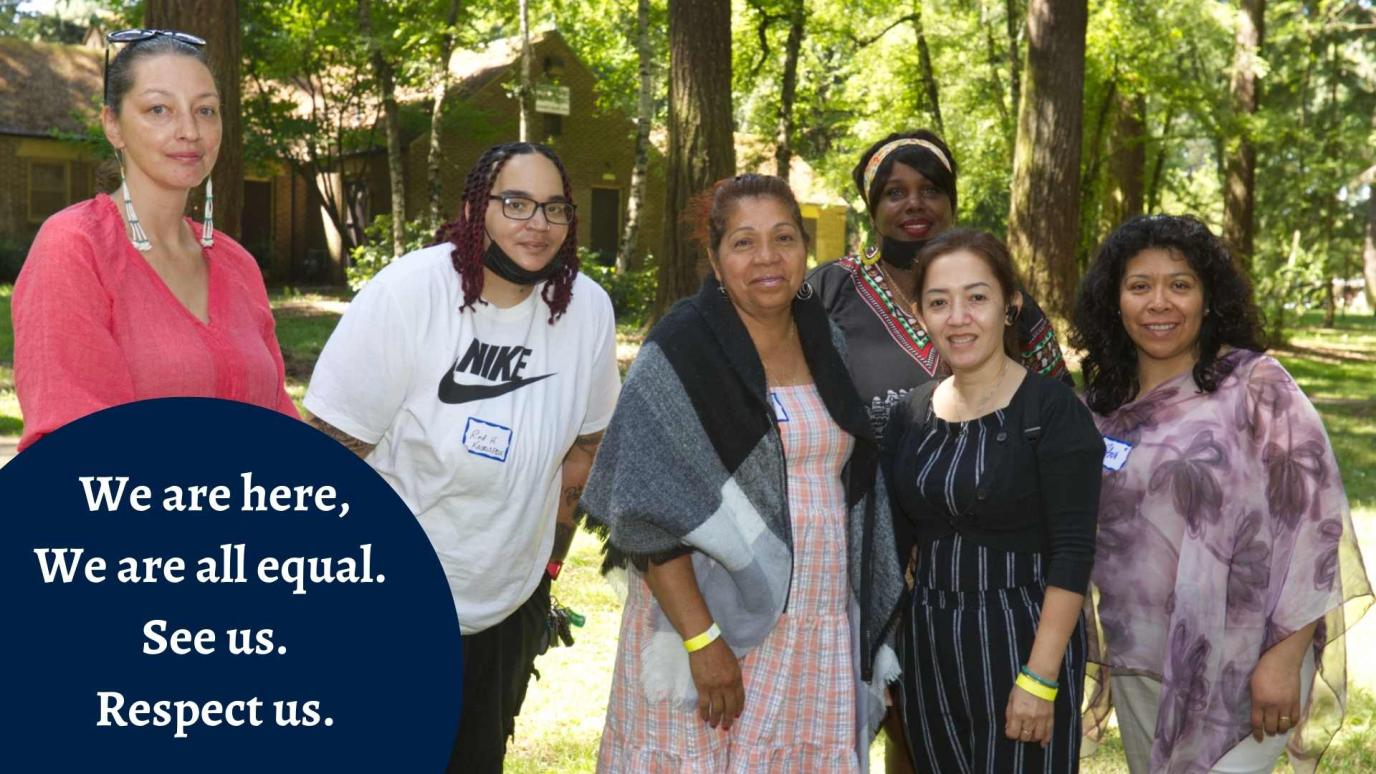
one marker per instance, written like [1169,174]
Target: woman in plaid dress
[759,604]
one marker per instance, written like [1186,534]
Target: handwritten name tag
[780,413]
[487,439]
[1116,453]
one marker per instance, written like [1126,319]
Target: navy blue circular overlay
[360,672]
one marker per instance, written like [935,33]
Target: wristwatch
[552,570]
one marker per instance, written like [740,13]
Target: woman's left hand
[1275,694]
[1029,718]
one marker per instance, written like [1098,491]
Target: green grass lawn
[561,723]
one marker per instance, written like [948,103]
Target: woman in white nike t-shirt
[476,376]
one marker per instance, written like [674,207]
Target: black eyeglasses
[559,213]
[135,36]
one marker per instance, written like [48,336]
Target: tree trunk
[396,171]
[218,22]
[1014,23]
[434,184]
[783,152]
[1044,214]
[1127,160]
[527,96]
[924,60]
[626,259]
[1159,163]
[701,145]
[1369,245]
[991,52]
[1239,196]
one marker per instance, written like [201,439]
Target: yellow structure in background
[824,212]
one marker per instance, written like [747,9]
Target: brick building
[49,88]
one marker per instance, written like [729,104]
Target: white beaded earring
[208,223]
[136,233]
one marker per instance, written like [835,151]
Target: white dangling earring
[208,223]
[136,234]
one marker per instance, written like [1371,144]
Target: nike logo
[451,392]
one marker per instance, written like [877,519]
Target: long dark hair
[465,232]
[1110,364]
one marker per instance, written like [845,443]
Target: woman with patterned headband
[908,183]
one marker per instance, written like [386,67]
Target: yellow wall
[831,230]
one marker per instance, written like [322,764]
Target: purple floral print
[1226,531]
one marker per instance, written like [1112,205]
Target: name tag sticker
[487,439]
[780,413]
[1116,453]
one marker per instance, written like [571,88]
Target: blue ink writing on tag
[487,439]
[1115,453]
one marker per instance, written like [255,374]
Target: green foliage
[632,292]
[603,34]
[375,253]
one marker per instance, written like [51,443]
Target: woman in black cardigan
[996,469]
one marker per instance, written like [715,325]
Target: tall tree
[924,60]
[218,22]
[1239,194]
[526,89]
[1369,243]
[384,74]
[783,148]
[645,108]
[1127,160]
[1013,23]
[701,145]
[1043,220]
[435,156]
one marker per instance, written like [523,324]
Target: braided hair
[466,231]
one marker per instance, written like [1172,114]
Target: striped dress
[970,628]
[800,698]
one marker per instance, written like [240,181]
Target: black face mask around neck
[898,253]
[496,259]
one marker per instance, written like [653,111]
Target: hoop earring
[208,223]
[805,292]
[136,233]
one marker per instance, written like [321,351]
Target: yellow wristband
[1036,689]
[695,644]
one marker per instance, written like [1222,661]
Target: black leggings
[497,665]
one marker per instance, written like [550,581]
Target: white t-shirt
[472,415]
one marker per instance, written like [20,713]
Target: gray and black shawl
[693,460]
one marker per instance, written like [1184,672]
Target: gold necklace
[898,293]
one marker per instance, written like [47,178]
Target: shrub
[370,257]
[12,255]
[632,292]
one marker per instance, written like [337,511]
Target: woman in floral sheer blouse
[1227,570]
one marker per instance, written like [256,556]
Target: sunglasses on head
[136,36]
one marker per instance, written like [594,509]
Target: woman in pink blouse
[117,304]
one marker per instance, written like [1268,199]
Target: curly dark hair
[1231,318]
[466,231]
[915,156]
